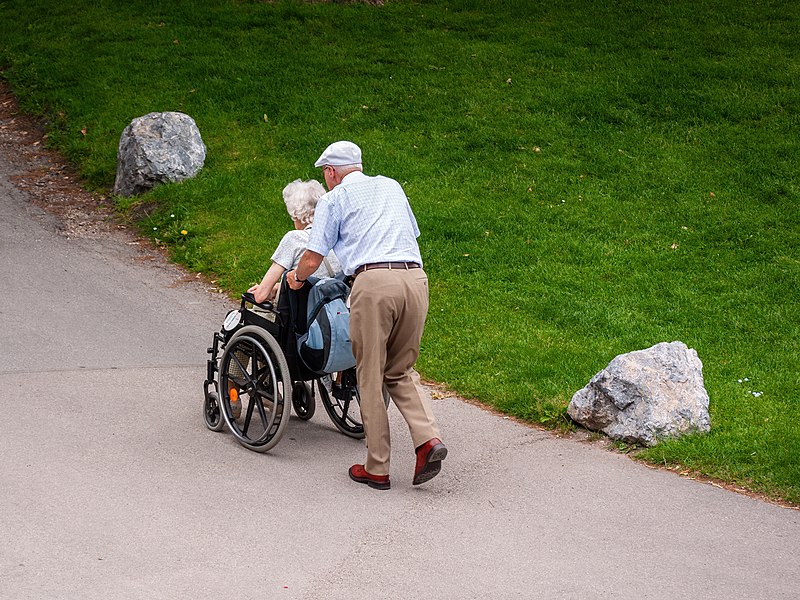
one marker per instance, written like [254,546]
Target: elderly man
[368,223]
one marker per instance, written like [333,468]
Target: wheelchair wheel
[303,400]
[211,412]
[254,383]
[342,402]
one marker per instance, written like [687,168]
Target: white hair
[301,199]
[342,170]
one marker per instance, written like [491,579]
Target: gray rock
[646,396]
[158,148]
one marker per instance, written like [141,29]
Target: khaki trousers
[387,315]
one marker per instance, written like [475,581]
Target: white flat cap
[339,154]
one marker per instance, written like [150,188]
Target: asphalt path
[112,487]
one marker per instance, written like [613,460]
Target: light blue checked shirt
[365,220]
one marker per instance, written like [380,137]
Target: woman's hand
[264,290]
[258,293]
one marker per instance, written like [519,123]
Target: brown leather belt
[387,265]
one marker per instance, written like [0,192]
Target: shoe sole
[373,484]
[432,466]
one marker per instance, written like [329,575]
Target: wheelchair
[254,369]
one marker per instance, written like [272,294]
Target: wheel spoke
[261,373]
[260,405]
[243,369]
[261,380]
[248,416]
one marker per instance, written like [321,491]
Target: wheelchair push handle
[249,297]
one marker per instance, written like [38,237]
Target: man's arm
[309,262]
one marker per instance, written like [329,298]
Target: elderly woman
[301,200]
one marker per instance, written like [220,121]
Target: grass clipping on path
[589,180]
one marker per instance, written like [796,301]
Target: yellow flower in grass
[184,232]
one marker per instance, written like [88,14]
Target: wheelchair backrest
[323,343]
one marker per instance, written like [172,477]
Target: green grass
[590,178]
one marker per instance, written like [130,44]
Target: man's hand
[309,262]
[291,279]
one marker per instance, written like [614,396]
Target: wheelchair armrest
[248,297]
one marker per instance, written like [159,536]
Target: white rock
[646,396]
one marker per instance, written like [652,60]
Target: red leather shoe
[379,482]
[429,460]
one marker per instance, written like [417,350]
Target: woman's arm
[266,289]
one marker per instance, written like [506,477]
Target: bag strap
[328,267]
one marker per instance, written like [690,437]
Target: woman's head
[301,199]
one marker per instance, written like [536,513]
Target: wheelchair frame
[254,360]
